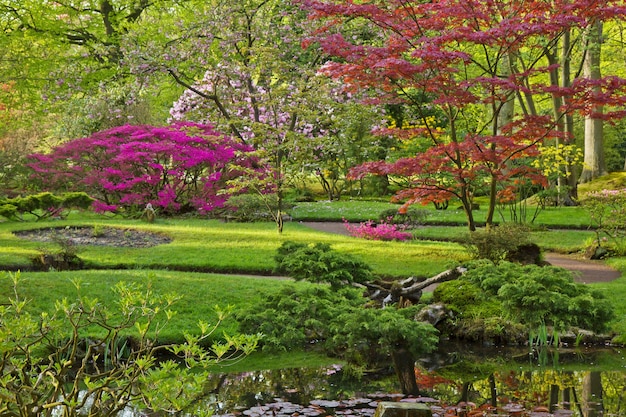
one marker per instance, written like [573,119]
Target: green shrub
[536,296]
[8,211]
[505,302]
[43,205]
[413,217]
[338,322]
[297,318]
[496,242]
[320,263]
[366,334]
[250,208]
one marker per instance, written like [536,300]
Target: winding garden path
[586,271]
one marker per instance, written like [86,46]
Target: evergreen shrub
[496,242]
[529,295]
[320,263]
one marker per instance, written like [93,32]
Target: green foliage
[320,263]
[477,316]
[458,294]
[413,217]
[336,320]
[367,333]
[43,205]
[496,242]
[8,211]
[297,317]
[607,210]
[54,366]
[534,295]
[251,207]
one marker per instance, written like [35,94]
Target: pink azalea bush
[178,168]
[377,231]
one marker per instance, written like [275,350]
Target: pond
[480,382]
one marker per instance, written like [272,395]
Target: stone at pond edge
[398,409]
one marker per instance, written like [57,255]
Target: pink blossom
[184,164]
[381,231]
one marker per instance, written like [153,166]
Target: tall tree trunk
[503,115]
[592,394]
[594,164]
[571,174]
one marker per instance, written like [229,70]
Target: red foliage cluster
[459,56]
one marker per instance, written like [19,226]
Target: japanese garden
[312,207]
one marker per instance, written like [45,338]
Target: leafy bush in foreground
[51,367]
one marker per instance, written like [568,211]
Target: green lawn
[213,246]
[357,210]
[200,246]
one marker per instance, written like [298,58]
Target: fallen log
[447,275]
[410,288]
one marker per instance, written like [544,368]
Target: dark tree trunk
[404,364]
[493,391]
[554,397]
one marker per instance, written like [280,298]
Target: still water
[459,381]
[480,382]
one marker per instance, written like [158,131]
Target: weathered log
[447,275]
[408,289]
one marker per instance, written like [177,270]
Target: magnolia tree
[242,66]
[294,128]
[485,68]
[268,117]
[176,168]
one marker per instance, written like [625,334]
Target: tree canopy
[475,62]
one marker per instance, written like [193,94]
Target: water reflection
[511,384]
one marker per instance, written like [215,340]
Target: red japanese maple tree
[483,66]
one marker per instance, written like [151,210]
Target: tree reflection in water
[525,391]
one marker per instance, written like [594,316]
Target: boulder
[433,313]
[402,409]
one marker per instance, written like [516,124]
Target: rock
[596,252]
[527,254]
[433,313]
[397,409]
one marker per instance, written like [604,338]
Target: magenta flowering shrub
[378,231]
[178,168]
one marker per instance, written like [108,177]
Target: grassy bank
[200,251]
[212,246]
